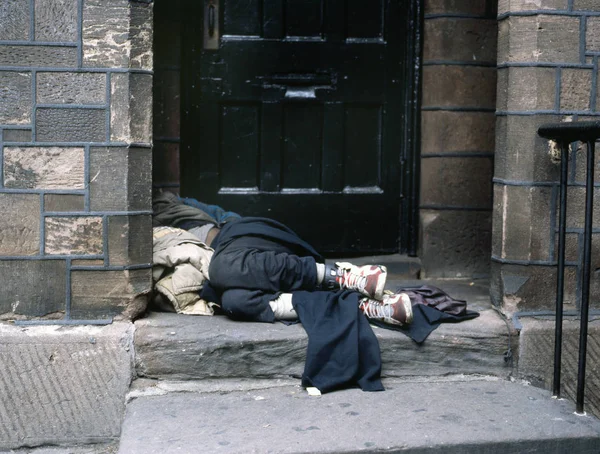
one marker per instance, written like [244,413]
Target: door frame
[409,159]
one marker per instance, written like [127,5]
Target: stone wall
[547,71]
[457,137]
[75,157]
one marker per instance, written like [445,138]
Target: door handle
[211,24]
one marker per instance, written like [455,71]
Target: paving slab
[489,416]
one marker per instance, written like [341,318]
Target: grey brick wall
[75,157]
[457,137]
[547,71]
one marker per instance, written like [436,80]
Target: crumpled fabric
[180,269]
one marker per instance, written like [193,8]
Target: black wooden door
[297,110]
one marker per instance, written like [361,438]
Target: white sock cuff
[320,273]
[282,307]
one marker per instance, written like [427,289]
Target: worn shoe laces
[353,281]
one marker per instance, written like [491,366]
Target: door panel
[295,115]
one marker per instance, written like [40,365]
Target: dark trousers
[251,271]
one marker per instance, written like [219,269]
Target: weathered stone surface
[581,164]
[463,415]
[505,6]
[455,243]
[541,38]
[54,56]
[15,97]
[455,6]
[82,262]
[470,40]
[576,207]
[70,125]
[586,5]
[459,86]
[141,35]
[44,167]
[56,20]
[121,179]
[71,88]
[19,224]
[103,294]
[129,240]
[575,89]
[181,347]
[592,37]
[140,107]
[105,32]
[523,222]
[31,288]
[536,358]
[532,287]
[521,154]
[167,101]
[523,89]
[139,181]
[14,17]
[447,132]
[443,182]
[63,385]
[165,163]
[119,108]
[74,235]
[17,135]
[64,202]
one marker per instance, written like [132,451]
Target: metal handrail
[564,134]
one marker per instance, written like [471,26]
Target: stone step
[464,416]
[177,347]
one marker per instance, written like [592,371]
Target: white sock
[320,273]
[282,307]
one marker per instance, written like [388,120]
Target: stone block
[17,135]
[32,288]
[70,125]
[64,386]
[44,167]
[459,86]
[119,108]
[443,132]
[14,17]
[576,208]
[524,226]
[19,224]
[64,202]
[141,35]
[455,7]
[165,163]
[455,243]
[82,262]
[71,88]
[56,20]
[592,36]
[586,5]
[121,179]
[540,38]
[129,240]
[140,108]
[530,88]
[521,155]
[576,88]
[167,103]
[15,98]
[443,182]
[81,235]
[103,294]
[464,40]
[505,6]
[41,56]
[581,163]
[105,34]
[529,287]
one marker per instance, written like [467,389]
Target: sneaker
[368,280]
[395,309]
